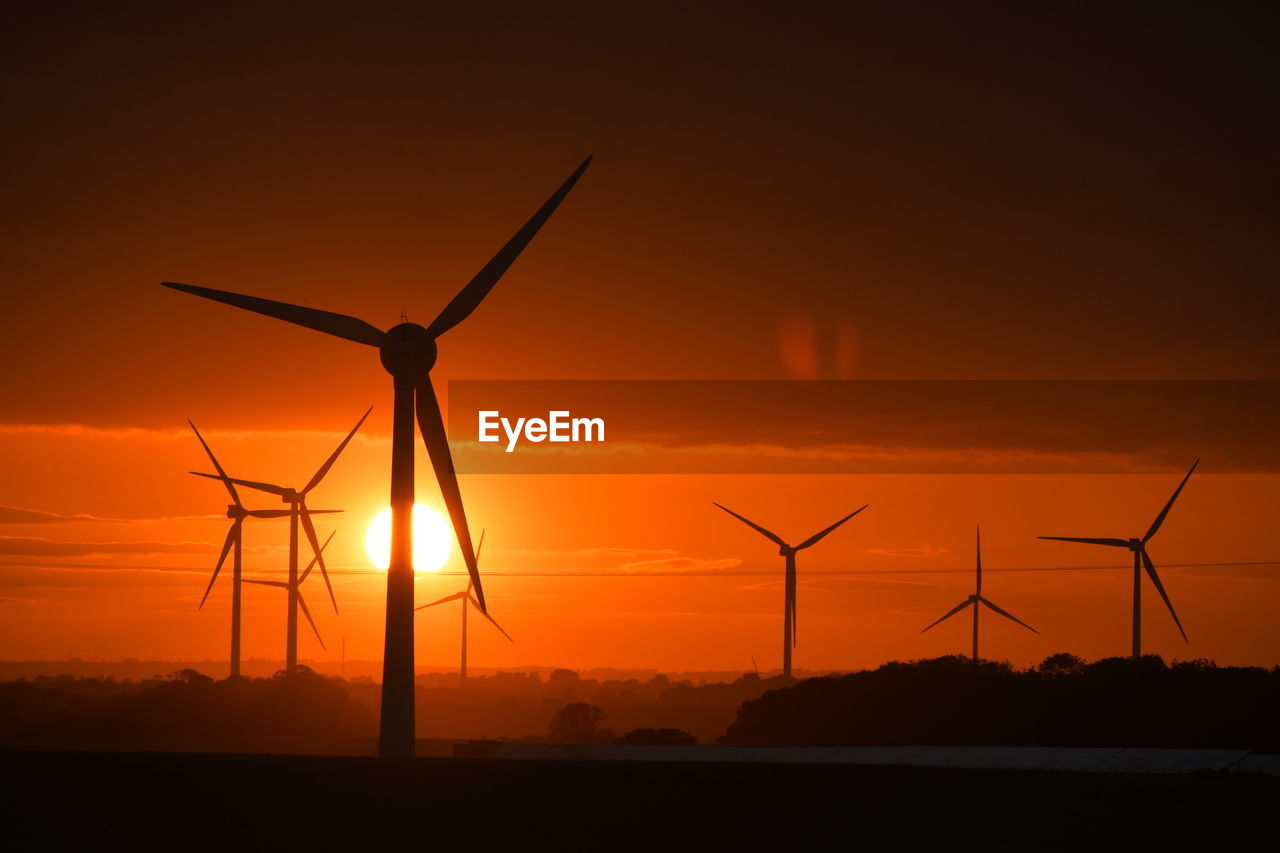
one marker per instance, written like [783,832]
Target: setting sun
[432,539]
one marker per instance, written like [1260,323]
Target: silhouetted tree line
[1061,702]
[1064,701]
[184,710]
[520,705]
[310,713]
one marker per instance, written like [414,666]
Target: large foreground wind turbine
[297,512]
[976,599]
[1142,560]
[408,352]
[234,543]
[468,601]
[296,592]
[789,596]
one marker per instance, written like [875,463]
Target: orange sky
[843,195]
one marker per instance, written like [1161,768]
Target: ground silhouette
[1063,701]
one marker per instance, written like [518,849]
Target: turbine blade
[978,591]
[318,550]
[952,612]
[481,545]
[248,484]
[768,534]
[226,547]
[1114,543]
[431,424]
[235,498]
[1006,614]
[307,613]
[311,565]
[1155,525]
[322,321]
[333,457]
[476,604]
[445,600]
[268,513]
[279,584]
[1155,579]
[478,288]
[813,540]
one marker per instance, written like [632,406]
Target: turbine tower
[468,601]
[297,512]
[234,543]
[1141,560]
[976,599]
[789,595]
[296,593]
[408,352]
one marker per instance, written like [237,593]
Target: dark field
[290,802]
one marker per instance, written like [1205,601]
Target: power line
[615,573]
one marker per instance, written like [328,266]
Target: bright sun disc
[432,539]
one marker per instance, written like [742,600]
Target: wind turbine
[468,601]
[408,352]
[234,543]
[298,511]
[976,599]
[296,589]
[789,596]
[1142,560]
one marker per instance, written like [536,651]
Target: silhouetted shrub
[578,722]
[658,737]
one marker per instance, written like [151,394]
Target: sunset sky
[874,193]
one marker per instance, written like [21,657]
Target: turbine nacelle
[1136,544]
[408,351]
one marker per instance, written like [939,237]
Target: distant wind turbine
[298,512]
[468,601]
[408,352]
[296,591]
[789,595]
[234,543]
[1142,560]
[976,599]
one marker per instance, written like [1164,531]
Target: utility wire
[614,573]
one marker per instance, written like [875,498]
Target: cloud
[726,427]
[38,547]
[43,579]
[1257,571]
[605,551]
[838,583]
[23,515]
[682,564]
[911,551]
[88,431]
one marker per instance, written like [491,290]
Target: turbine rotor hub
[408,351]
[1135,544]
